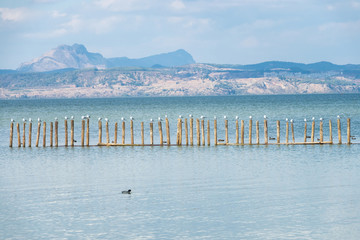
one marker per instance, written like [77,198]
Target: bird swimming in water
[126,192]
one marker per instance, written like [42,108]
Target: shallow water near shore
[188,192]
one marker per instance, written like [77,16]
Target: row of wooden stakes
[188,125]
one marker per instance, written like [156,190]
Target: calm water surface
[223,192]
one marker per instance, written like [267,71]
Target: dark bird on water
[126,192]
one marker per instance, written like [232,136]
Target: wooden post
[186,132]
[100,131]
[107,132]
[250,131]
[257,132]
[72,132]
[132,132]
[305,131]
[198,132]
[44,134]
[348,132]
[203,132]
[56,133]
[191,131]
[266,138]
[160,133]
[51,133]
[226,132]
[292,131]
[237,131]
[24,129]
[330,132]
[208,132]
[18,134]
[312,131]
[242,133]
[30,132]
[66,133]
[11,134]
[123,132]
[142,134]
[215,132]
[287,131]
[87,131]
[115,132]
[339,130]
[180,131]
[38,134]
[151,133]
[82,133]
[167,131]
[278,131]
[321,131]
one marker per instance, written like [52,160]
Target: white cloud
[355,4]
[123,5]
[13,14]
[249,42]
[57,14]
[177,5]
[105,25]
[348,27]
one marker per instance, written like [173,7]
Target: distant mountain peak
[78,57]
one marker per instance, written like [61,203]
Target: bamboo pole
[56,133]
[305,131]
[11,134]
[191,131]
[38,134]
[215,132]
[88,131]
[321,131]
[226,132]
[292,131]
[72,133]
[330,132]
[208,132]
[18,134]
[151,133]
[250,131]
[107,132]
[186,132]
[44,134]
[82,133]
[51,133]
[66,132]
[257,132]
[237,131]
[160,133]
[278,131]
[167,131]
[203,132]
[100,131]
[313,130]
[242,133]
[132,132]
[142,134]
[24,129]
[198,132]
[348,132]
[123,132]
[287,132]
[266,138]
[115,132]
[339,130]
[30,132]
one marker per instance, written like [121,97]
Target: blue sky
[213,31]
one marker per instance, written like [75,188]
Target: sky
[212,31]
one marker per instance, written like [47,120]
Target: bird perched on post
[126,192]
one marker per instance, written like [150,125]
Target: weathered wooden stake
[82,133]
[321,131]
[72,133]
[266,138]
[151,133]
[123,132]
[313,131]
[348,131]
[250,131]
[257,124]
[242,133]
[330,132]
[107,132]
[100,131]
[208,132]
[191,131]
[278,131]
[287,132]
[203,132]
[226,132]
[56,133]
[44,134]
[132,132]
[66,133]
[180,131]
[51,133]
[142,134]
[292,131]
[305,132]
[186,132]
[215,132]
[339,130]
[88,131]
[167,131]
[160,133]
[38,134]
[24,129]
[18,134]
[237,131]
[30,132]
[198,132]
[115,132]
[11,134]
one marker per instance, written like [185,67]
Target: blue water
[222,192]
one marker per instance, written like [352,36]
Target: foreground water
[224,192]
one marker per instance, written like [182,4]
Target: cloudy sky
[213,31]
